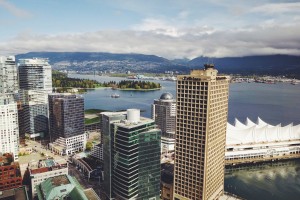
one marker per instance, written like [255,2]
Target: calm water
[274,103]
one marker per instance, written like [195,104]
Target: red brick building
[10,174]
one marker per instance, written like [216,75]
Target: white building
[41,170]
[68,146]
[9,126]
[8,75]
[251,142]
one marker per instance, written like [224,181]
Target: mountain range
[286,65]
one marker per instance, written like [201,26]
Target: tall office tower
[9,127]
[164,114]
[66,122]
[35,81]
[131,156]
[202,106]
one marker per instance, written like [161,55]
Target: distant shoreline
[132,89]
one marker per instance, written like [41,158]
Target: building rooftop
[6,159]
[127,124]
[91,194]
[59,180]
[16,193]
[166,96]
[64,186]
[46,165]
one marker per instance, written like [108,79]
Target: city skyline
[197,27]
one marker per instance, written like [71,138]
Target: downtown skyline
[197,27]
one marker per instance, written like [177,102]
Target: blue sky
[168,28]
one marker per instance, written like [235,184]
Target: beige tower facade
[202,107]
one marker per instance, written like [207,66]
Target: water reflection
[279,180]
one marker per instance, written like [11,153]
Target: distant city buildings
[66,122]
[9,126]
[164,115]
[202,107]
[35,81]
[131,156]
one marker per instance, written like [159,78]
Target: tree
[89,146]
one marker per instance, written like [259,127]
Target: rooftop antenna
[208,64]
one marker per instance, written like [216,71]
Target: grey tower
[35,81]
[66,116]
[164,114]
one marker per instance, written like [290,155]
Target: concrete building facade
[164,114]
[9,126]
[202,107]
[40,171]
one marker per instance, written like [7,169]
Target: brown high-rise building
[202,106]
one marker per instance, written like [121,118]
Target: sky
[173,29]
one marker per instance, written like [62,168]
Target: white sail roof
[262,132]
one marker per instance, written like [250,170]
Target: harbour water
[274,103]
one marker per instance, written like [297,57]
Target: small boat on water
[115,95]
[294,82]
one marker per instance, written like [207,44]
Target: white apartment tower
[9,127]
[35,81]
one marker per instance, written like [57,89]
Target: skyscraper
[9,127]
[66,122]
[164,115]
[202,106]
[35,81]
[131,156]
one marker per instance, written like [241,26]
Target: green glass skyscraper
[131,154]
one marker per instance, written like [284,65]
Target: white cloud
[277,8]
[190,43]
[13,9]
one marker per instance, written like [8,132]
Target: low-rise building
[64,187]
[19,193]
[44,169]
[97,151]
[260,142]
[10,174]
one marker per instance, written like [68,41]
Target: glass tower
[35,81]
[131,156]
